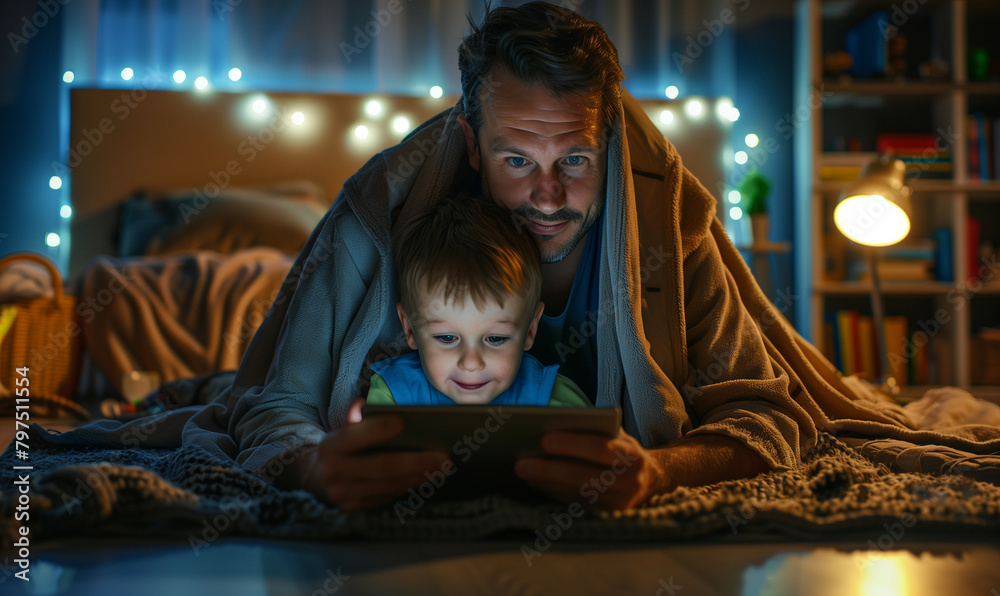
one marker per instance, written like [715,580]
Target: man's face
[468,353]
[542,157]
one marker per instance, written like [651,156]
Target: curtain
[391,46]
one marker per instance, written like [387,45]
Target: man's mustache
[564,214]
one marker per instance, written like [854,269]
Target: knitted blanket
[190,493]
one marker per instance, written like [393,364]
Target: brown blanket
[180,316]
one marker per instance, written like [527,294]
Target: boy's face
[470,354]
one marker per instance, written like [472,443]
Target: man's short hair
[540,43]
[469,246]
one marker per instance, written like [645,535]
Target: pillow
[236,219]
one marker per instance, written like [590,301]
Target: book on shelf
[913,358]
[944,269]
[850,349]
[841,166]
[918,356]
[996,148]
[984,146]
[973,233]
[868,348]
[919,152]
[895,270]
[896,341]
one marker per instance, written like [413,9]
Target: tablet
[484,442]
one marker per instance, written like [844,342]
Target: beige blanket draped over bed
[179,316]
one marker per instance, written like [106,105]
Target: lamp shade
[875,209]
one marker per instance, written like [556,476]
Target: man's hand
[335,471]
[612,473]
[620,473]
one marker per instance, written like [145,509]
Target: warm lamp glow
[874,210]
[871,220]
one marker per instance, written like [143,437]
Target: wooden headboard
[124,141]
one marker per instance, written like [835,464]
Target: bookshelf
[934,87]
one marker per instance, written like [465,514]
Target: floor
[248,567]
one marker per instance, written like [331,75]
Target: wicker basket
[47,339]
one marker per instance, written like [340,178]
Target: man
[541,130]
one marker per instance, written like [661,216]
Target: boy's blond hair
[467,246]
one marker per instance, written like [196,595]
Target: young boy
[469,281]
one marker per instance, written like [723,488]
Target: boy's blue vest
[405,379]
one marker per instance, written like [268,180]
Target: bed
[188,215]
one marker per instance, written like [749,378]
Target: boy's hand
[339,474]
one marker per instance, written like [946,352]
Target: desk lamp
[874,211]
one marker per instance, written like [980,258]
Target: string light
[672,92]
[201,83]
[401,124]
[127,74]
[55,183]
[235,74]
[436,91]
[179,76]
[666,116]
[741,157]
[68,76]
[373,107]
